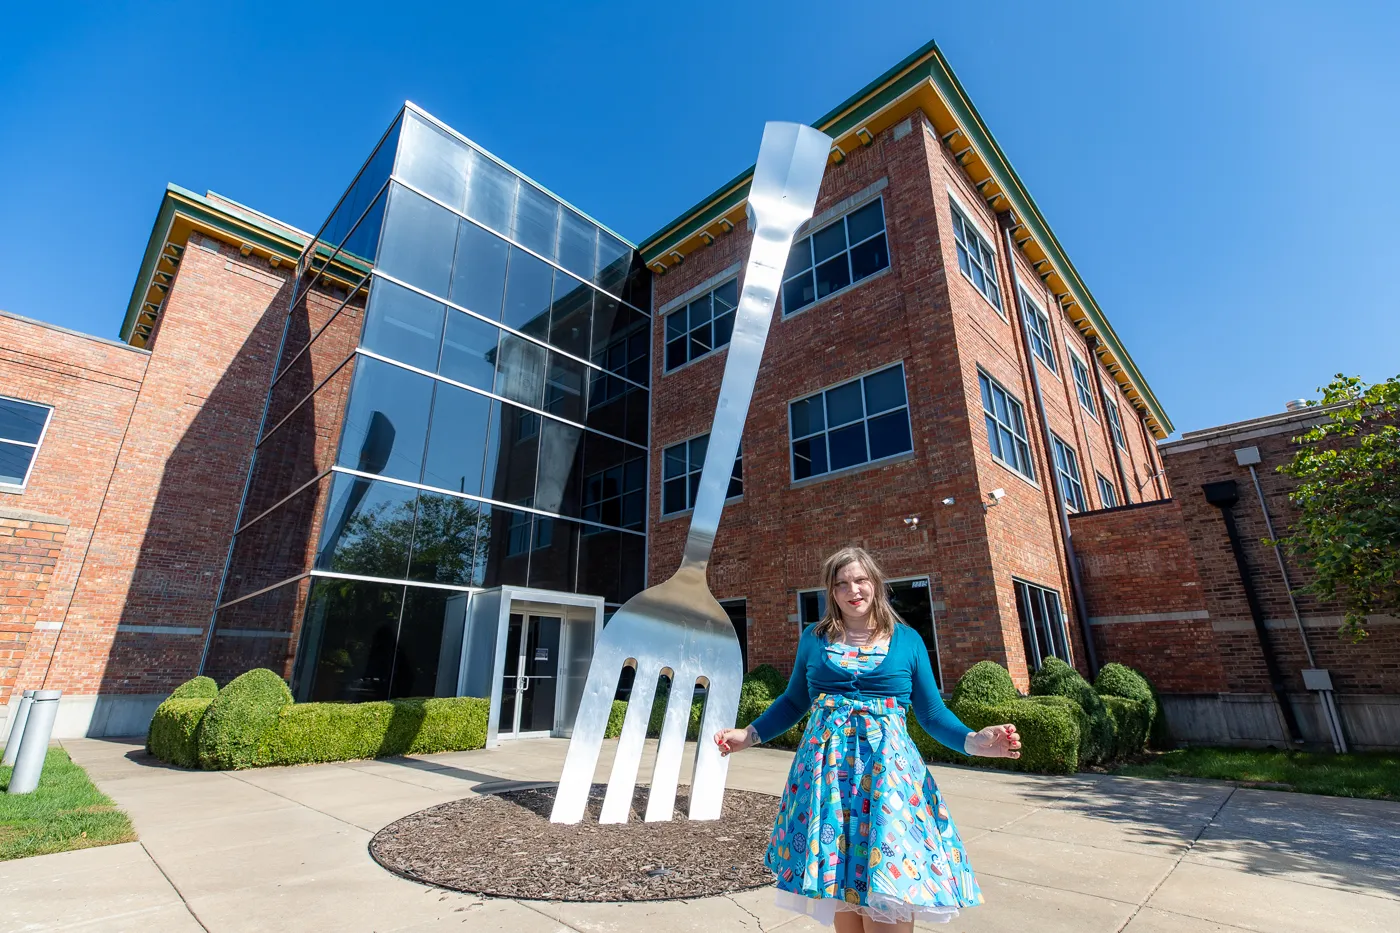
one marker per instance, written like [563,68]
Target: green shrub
[235,728]
[986,683]
[174,728]
[1119,680]
[767,675]
[196,688]
[1056,678]
[1131,723]
[616,717]
[311,732]
[1049,736]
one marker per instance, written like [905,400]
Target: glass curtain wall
[472,413]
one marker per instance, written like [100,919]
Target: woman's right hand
[735,740]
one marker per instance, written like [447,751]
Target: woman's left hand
[995,742]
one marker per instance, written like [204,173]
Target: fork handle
[782,195]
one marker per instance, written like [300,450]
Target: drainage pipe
[1052,482]
[1223,495]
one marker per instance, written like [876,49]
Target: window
[614,485]
[975,257]
[1042,624]
[860,421]
[701,326]
[836,256]
[912,602]
[811,606]
[1067,471]
[1038,332]
[1111,407]
[680,474]
[626,357]
[1107,493]
[738,612]
[1081,384]
[22,426]
[1006,427]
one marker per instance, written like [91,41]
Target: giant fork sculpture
[678,626]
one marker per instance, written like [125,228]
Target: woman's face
[854,592]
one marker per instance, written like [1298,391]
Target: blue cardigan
[904,673]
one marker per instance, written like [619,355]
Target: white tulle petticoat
[880,908]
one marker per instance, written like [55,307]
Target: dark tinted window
[368,528]
[469,350]
[456,440]
[419,241]
[348,641]
[403,325]
[444,541]
[386,423]
[479,272]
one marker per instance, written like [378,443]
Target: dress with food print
[862,826]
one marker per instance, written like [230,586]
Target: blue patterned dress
[862,826]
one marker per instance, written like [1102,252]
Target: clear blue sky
[1220,173]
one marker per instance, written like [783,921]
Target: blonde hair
[831,626]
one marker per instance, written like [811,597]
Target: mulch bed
[503,845]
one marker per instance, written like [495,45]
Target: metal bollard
[17,730]
[29,764]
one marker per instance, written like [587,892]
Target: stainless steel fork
[678,627]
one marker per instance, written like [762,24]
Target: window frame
[1115,423]
[1106,483]
[1070,483]
[1040,341]
[1024,437]
[23,485]
[695,470]
[810,268]
[964,255]
[865,419]
[1079,371]
[684,308]
[820,592]
[1033,650]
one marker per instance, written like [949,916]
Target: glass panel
[673,496]
[832,275]
[555,557]
[613,323]
[350,630]
[479,272]
[512,452]
[843,404]
[674,462]
[724,329]
[726,296]
[529,284]
[614,262]
[884,390]
[798,293]
[869,257]
[21,421]
[828,242]
[510,681]
[866,222]
[677,353]
[698,447]
[424,656]
[634,565]
[366,185]
[578,244]
[698,313]
[444,540]
[419,241]
[14,463]
[807,416]
[889,435]
[799,257]
[300,449]
[809,457]
[369,527]
[243,647]
[560,477]
[910,599]
[491,193]
[403,325]
[498,563]
[564,387]
[434,162]
[848,446]
[361,245]
[571,315]
[599,564]
[387,420]
[469,350]
[520,370]
[536,220]
[457,440]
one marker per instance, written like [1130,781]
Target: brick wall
[30,547]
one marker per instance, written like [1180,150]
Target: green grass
[1372,775]
[65,812]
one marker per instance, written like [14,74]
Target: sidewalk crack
[178,893]
[757,922]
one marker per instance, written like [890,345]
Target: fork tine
[622,782]
[590,725]
[661,802]
[721,710]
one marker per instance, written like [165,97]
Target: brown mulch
[503,845]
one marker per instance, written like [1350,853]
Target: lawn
[65,812]
[1373,775]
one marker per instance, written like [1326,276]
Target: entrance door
[531,678]
[913,601]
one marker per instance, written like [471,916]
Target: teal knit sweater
[905,674]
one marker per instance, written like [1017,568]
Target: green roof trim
[925,64]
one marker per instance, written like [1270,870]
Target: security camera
[996,495]
[948,501]
[912,521]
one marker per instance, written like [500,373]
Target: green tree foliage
[1348,498]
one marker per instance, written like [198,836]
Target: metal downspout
[1081,609]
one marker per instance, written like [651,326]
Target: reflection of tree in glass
[376,541]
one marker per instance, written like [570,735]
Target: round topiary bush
[767,675]
[1130,725]
[237,722]
[1056,678]
[196,688]
[986,683]
[174,728]
[1119,680]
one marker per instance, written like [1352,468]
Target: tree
[1348,498]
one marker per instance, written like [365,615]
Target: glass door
[531,676]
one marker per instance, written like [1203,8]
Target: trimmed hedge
[312,732]
[174,730]
[1049,736]
[235,728]
[1056,678]
[196,688]
[1119,680]
[1131,722]
[986,683]
[769,677]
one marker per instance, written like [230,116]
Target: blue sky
[1220,173]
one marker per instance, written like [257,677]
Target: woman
[863,840]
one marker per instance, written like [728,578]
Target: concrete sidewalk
[285,849]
